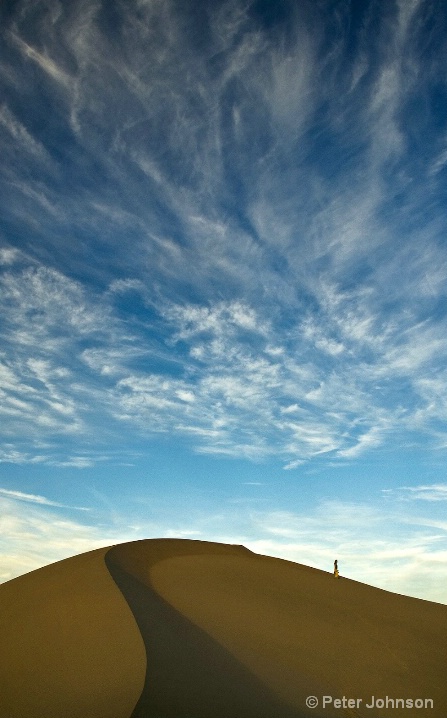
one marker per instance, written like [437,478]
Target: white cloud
[222,319]
[21,136]
[32,498]
[294,464]
[47,319]
[439,163]
[430,492]
[370,439]
[417,346]
[185,395]
[44,62]
[8,255]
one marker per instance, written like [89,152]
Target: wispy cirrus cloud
[234,232]
[224,375]
[21,136]
[35,499]
[43,60]
[430,492]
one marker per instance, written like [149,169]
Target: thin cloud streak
[431,492]
[33,499]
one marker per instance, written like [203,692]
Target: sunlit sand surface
[69,644]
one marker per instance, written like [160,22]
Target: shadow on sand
[189,675]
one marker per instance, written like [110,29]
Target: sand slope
[70,647]
[175,628]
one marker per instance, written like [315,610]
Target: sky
[223,281]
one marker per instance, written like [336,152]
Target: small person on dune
[335,568]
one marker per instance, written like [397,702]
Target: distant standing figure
[335,568]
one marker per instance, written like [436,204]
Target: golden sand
[174,628]
[70,647]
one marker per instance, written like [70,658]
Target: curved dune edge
[70,647]
[232,634]
[189,674]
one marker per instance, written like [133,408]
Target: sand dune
[175,628]
[69,644]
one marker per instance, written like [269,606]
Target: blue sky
[223,281]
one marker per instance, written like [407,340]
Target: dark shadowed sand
[174,628]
